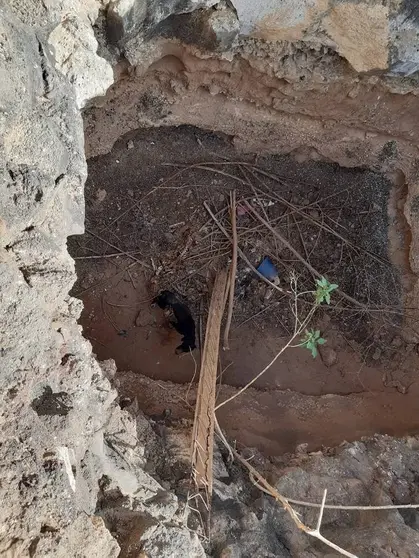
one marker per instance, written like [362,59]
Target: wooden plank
[204,421]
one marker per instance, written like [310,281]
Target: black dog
[183,323]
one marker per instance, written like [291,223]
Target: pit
[158,217]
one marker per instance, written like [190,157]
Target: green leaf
[323,290]
[310,341]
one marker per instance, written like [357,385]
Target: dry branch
[263,484]
[233,269]
[297,254]
[104,256]
[123,252]
[203,428]
[297,331]
[242,254]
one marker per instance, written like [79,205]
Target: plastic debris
[268,270]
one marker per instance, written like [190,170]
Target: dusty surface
[136,205]
[278,421]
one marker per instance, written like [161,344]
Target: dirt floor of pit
[147,229]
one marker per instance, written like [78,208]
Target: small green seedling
[324,288]
[311,340]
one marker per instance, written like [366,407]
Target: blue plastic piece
[268,270]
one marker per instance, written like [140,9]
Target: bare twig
[104,256]
[106,280]
[297,254]
[263,484]
[242,254]
[233,270]
[128,254]
[352,508]
[297,331]
[113,324]
[256,314]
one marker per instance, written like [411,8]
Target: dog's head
[165,299]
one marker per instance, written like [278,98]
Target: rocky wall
[255,70]
[62,434]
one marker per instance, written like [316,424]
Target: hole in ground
[147,230]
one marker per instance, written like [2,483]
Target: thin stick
[319,520]
[258,313]
[297,254]
[223,438]
[242,254]
[297,332]
[263,484]
[106,280]
[352,508]
[119,249]
[233,269]
[102,256]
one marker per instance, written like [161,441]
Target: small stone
[170,237]
[376,354]
[354,92]
[301,448]
[397,342]
[130,144]
[268,294]
[328,356]
[100,195]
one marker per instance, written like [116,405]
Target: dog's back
[184,323]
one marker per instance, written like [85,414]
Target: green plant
[311,340]
[323,290]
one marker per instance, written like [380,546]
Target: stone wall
[61,429]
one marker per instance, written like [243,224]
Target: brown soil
[138,205]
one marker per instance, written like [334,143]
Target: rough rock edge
[70,437]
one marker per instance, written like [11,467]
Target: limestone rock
[276,21]
[87,537]
[74,46]
[158,11]
[361,34]
[167,542]
[404,28]
[225,26]
[124,17]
